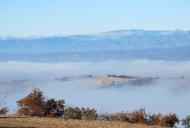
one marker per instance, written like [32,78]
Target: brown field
[35,122]
[106,81]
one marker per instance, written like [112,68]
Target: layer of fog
[168,94]
[29,70]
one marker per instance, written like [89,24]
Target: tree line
[35,104]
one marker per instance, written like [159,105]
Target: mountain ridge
[132,43]
[8,37]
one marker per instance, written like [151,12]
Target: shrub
[88,114]
[54,108]
[138,116]
[23,111]
[35,105]
[32,105]
[3,111]
[154,119]
[122,117]
[169,120]
[72,113]
[186,122]
[104,117]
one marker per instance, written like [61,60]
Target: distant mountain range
[122,44]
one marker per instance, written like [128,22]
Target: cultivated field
[35,122]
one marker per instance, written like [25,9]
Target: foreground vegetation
[37,122]
[37,111]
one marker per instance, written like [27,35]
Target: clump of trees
[81,114]
[32,104]
[88,114]
[163,120]
[121,117]
[35,104]
[72,113]
[138,116]
[122,76]
[54,108]
[169,120]
[3,110]
[155,119]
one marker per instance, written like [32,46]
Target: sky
[22,18]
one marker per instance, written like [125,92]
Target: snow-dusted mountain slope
[125,44]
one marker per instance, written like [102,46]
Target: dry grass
[35,122]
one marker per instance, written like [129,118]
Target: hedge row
[35,104]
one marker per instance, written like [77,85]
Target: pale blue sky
[52,17]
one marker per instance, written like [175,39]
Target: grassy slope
[18,122]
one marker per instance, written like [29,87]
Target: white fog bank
[170,93]
[30,70]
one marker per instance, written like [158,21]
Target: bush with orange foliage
[35,105]
[32,105]
[121,117]
[163,120]
[138,116]
[155,119]
[169,120]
